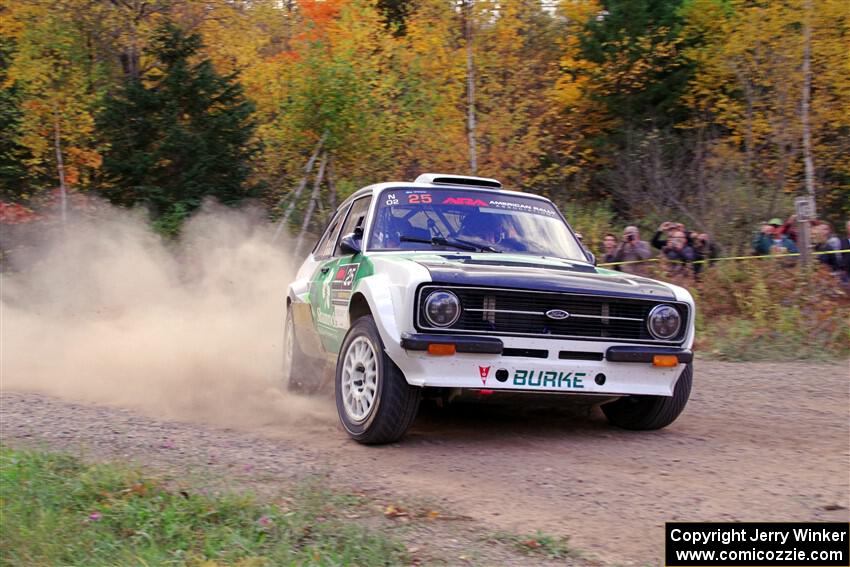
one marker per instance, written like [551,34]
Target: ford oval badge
[557,314]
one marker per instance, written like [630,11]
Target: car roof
[378,187]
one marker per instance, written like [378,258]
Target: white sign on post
[805,207]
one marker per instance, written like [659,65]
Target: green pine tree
[177,135]
[13,172]
[634,34]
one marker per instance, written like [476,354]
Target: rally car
[451,285]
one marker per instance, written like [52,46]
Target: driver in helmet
[490,228]
[481,227]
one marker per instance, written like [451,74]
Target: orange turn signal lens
[441,349]
[667,360]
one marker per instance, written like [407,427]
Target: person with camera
[632,249]
[659,240]
[680,254]
[707,249]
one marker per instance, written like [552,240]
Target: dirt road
[756,442]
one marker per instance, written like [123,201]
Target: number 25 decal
[419,198]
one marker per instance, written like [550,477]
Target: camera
[630,237]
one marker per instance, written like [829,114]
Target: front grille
[525,352]
[573,355]
[523,313]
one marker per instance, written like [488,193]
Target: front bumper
[539,365]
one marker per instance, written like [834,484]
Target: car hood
[538,274]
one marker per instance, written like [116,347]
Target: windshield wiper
[454,243]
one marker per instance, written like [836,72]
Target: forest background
[621,111]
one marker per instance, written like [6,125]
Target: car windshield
[472,221]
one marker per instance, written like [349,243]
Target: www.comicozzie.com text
[743,534]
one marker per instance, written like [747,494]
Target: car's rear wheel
[651,412]
[375,403]
[299,370]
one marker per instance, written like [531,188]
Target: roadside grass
[58,510]
[770,311]
[551,547]
[767,310]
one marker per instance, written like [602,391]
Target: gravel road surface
[758,441]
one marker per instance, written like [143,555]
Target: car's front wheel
[375,403]
[651,412]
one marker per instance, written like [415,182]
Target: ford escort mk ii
[452,286]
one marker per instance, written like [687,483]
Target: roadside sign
[805,207]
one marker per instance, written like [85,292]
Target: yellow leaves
[579,11]
[657,53]
[568,91]
[749,80]
[395,511]
[392,511]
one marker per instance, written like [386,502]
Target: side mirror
[591,257]
[350,244]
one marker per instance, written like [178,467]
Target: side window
[356,217]
[326,245]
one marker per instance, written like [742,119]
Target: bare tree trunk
[311,206]
[60,165]
[134,53]
[807,93]
[299,189]
[290,14]
[331,187]
[807,133]
[470,89]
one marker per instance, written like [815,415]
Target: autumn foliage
[689,109]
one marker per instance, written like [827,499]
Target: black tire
[301,373]
[395,402]
[643,413]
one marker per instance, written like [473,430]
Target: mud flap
[305,331]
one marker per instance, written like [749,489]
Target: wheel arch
[358,307]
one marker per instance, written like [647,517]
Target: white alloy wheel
[359,379]
[374,401]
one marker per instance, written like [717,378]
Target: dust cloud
[105,311]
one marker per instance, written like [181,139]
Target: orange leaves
[321,12]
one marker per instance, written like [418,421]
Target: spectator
[632,249]
[609,247]
[659,240]
[706,248]
[824,240]
[845,256]
[680,253]
[789,229]
[771,240]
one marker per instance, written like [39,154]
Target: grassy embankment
[57,510]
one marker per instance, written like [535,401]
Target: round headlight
[664,322]
[442,308]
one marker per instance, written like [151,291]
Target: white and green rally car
[452,285]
